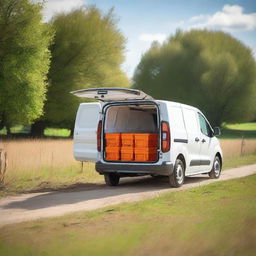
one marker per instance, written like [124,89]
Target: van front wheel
[178,175]
[216,168]
[111,179]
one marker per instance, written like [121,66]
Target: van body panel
[177,129]
[85,133]
[165,168]
[209,145]
[193,135]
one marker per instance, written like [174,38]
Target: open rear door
[112,94]
[85,133]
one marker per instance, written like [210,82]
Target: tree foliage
[87,52]
[210,70]
[24,61]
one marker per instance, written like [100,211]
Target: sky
[143,21]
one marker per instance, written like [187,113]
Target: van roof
[173,103]
[170,103]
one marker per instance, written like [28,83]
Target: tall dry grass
[36,154]
[238,147]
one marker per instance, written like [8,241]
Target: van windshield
[131,118]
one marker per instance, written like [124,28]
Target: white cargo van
[184,145]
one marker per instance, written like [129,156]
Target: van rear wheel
[178,175]
[111,179]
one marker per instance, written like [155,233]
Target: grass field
[217,219]
[48,179]
[45,164]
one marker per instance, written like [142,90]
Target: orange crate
[113,139]
[127,154]
[146,140]
[112,153]
[145,154]
[127,139]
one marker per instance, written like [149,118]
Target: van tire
[111,179]
[178,175]
[216,168]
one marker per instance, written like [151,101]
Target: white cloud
[199,18]
[231,17]
[52,7]
[153,37]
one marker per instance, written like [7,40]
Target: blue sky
[143,21]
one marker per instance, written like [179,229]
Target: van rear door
[85,133]
[112,94]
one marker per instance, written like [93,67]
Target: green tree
[24,61]
[87,52]
[210,70]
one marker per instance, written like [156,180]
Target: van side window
[204,126]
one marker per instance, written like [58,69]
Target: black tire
[178,175]
[216,168]
[111,179]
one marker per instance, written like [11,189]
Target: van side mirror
[216,131]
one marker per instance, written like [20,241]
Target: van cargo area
[131,133]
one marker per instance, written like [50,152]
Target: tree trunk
[37,129]
[71,132]
[2,121]
[8,130]
[3,165]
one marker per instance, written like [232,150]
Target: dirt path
[38,205]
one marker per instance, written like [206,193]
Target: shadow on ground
[85,192]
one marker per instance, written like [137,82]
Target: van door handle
[203,140]
[196,139]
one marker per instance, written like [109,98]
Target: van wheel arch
[216,167]
[182,158]
[219,155]
[177,177]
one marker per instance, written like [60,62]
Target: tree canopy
[24,61]
[87,52]
[208,69]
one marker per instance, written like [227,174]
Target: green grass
[49,179]
[49,132]
[239,161]
[57,132]
[217,219]
[16,129]
[237,131]
[242,126]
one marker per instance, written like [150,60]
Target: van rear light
[165,131]
[99,135]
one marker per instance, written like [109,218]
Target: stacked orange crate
[127,149]
[146,147]
[113,143]
[146,140]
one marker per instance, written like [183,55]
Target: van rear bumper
[166,168]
